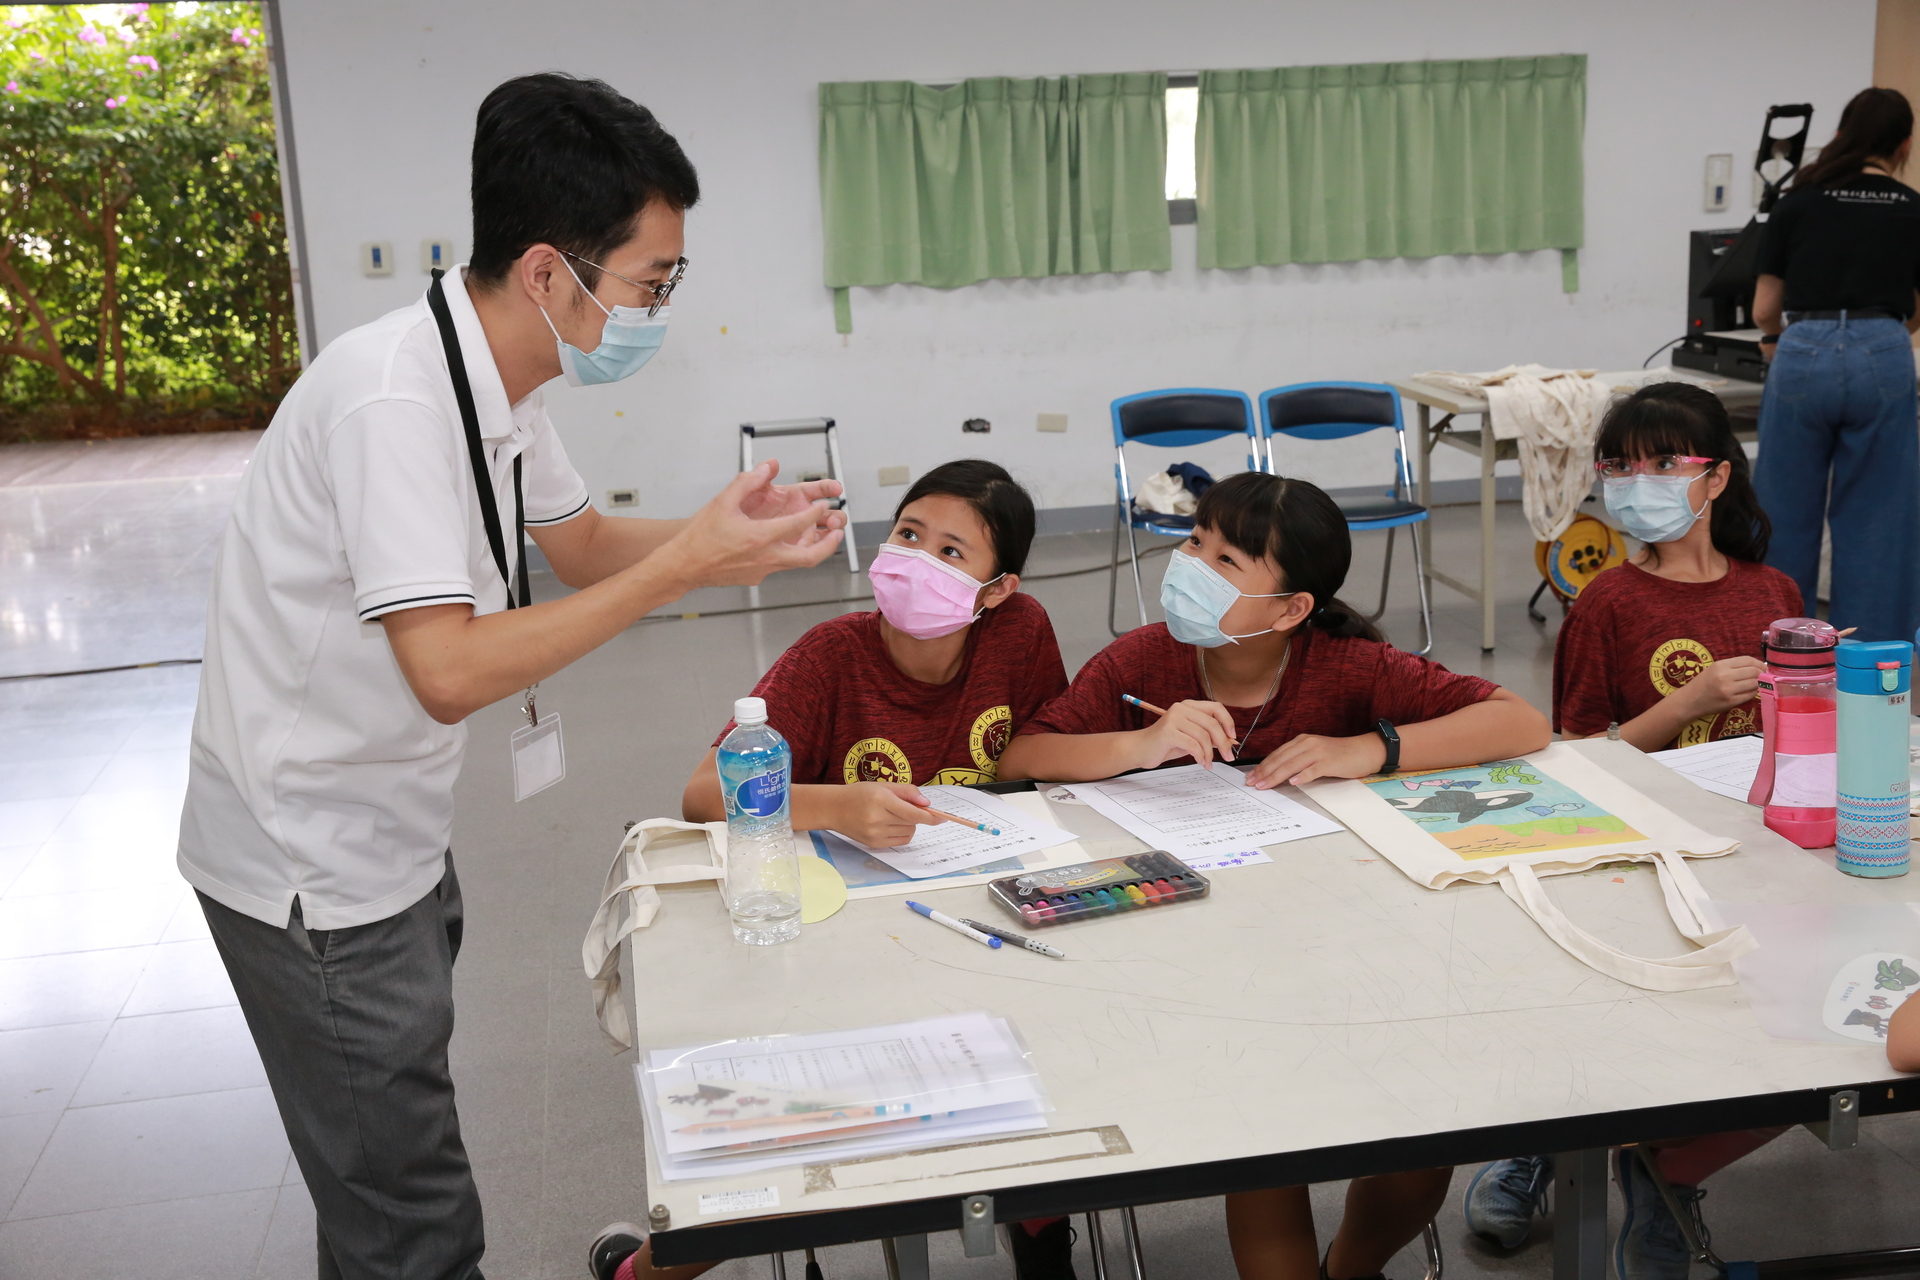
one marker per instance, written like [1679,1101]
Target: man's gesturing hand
[754,527]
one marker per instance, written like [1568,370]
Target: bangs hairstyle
[1001,502]
[1678,417]
[1294,524]
[570,163]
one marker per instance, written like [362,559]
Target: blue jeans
[1841,401]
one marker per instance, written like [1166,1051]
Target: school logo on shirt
[1676,662]
[988,738]
[876,760]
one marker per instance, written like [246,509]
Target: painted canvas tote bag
[1510,822]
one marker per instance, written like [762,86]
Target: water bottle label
[763,795]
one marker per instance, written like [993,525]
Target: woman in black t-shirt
[1839,265]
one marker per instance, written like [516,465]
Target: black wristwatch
[1390,736]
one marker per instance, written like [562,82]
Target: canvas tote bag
[682,852]
[1510,822]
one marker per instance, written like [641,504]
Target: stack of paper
[947,846]
[742,1105]
[1207,818]
[1724,767]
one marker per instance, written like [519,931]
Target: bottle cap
[747,711]
[1802,634]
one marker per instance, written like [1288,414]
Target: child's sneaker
[1651,1245]
[1046,1254]
[613,1246]
[1504,1196]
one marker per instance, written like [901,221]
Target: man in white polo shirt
[361,610]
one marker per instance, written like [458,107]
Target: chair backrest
[1329,410]
[1181,416]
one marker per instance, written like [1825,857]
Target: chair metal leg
[1097,1245]
[1426,593]
[1436,1260]
[1113,570]
[1534,600]
[1130,1232]
[1386,576]
[1133,555]
[779,1265]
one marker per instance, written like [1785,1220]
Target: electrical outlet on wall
[376,258]
[890,476]
[623,497]
[1051,422]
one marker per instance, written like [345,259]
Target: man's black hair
[567,162]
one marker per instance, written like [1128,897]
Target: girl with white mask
[1667,646]
[1258,658]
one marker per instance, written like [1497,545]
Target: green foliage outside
[144,279]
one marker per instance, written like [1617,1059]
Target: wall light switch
[623,497]
[895,475]
[376,258]
[1719,182]
[1051,422]
[436,255]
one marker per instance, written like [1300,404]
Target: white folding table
[1315,1019]
[1428,396]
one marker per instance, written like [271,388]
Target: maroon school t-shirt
[1632,638]
[1333,686]
[851,716]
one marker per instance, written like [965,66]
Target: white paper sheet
[948,846]
[1725,767]
[723,1108]
[1204,817]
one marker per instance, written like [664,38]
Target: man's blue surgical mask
[628,340]
[1195,598]
[1652,508]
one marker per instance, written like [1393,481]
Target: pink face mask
[922,594]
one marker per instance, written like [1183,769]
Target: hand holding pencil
[1192,728]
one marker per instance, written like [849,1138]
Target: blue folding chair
[1334,411]
[1168,419]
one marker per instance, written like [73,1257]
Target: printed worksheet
[747,1095]
[1208,818]
[948,846]
[1725,767]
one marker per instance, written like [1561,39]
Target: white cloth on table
[1553,413]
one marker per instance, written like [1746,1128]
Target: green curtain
[992,178]
[1392,160]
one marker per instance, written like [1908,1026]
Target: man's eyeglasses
[659,292]
[1662,464]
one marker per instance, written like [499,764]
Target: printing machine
[1721,337]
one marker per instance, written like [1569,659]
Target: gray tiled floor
[132,1117]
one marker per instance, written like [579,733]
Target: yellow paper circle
[822,891]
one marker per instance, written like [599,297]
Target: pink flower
[114,102]
[89,36]
[241,38]
[13,86]
[144,60]
[36,56]
[133,11]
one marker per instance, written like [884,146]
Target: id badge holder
[539,755]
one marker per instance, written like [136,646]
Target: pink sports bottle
[1799,715]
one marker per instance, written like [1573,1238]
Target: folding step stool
[751,431]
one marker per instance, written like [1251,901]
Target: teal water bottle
[1875,707]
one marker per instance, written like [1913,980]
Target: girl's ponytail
[1297,526]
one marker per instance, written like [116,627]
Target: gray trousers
[352,1026]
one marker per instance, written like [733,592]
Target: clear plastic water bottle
[763,876]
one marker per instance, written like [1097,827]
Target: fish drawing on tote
[1462,806]
[1548,810]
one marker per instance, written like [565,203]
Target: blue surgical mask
[1195,597]
[1652,508]
[627,341]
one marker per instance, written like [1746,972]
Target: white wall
[383,96]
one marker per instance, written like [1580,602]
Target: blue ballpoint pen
[954,925]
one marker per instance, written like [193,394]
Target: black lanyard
[482,477]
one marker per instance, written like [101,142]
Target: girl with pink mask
[928,688]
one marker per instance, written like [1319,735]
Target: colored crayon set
[1108,887]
